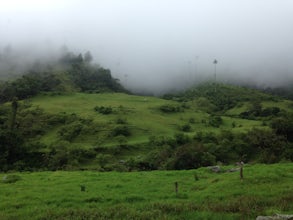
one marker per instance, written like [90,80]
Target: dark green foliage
[284,91]
[191,156]
[64,156]
[156,159]
[104,110]
[271,111]
[256,107]
[181,138]
[256,110]
[71,71]
[121,130]
[104,160]
[215,121]
[219,97]
[267,144]
[170,108]
[32,121]
[186,128]
[160,141]
[284,126]
[14,106]
[11,148]
[205,104]
[288,151]
[71,131]
[121,121]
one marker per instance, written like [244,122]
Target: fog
[158,45]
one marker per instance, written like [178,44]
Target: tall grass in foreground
[265,189]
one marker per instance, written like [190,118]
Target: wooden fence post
[176,188]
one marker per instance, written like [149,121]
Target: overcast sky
[158,43]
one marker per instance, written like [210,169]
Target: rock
[10,178]
[215,169]
[233,170]
[275,217]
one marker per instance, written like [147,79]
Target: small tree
[88,57]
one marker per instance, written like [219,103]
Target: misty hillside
[117,131]
[69,113]
[69,73]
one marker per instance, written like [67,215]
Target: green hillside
[116,131]
[142,115]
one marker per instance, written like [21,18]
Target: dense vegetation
[125,132]
[70,73]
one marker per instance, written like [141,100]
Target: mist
[155,46]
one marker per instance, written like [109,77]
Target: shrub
[121,121]
[121,130]
[215,121]
[170,108]
[271,111]
[181,138]
[192,156]
[186,128]
[160,141]
[69,132]
[104,110]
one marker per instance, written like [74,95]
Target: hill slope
[118,131]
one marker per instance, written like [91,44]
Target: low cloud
[155,46]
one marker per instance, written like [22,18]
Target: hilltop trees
[73,72]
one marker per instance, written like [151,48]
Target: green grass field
[141,113]
[265,190]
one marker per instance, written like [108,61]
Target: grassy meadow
[141,113]
[202,194]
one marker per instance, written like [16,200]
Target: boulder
[233,170]
[275,217]
[215,169]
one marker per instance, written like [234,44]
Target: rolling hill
[119,131]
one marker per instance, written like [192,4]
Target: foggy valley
[155,46]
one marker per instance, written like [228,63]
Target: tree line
[71,73]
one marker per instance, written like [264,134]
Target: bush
[160,141]
[271,111]
[69,132]
[192,156]
[104,110]
[186,128]
[121,130]
[181,138]
[215,121]
[121,121]
[170,108]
